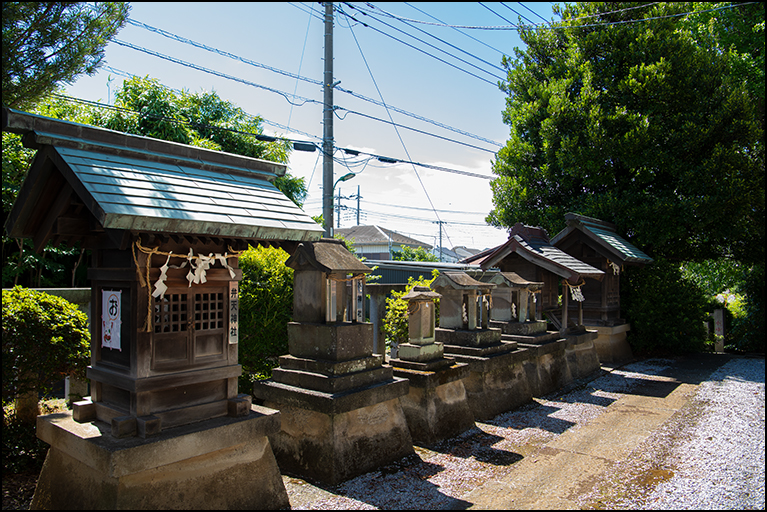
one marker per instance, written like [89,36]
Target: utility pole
[327,122]
[358,205]
[439,223]
[338,209]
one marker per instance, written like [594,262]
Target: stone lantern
[436,406]
[335,396]
[464,310]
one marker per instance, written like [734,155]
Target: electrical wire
[397,130]
[298,76]
[417,49]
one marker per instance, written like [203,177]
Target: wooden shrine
[529,254]
[597,243]
[165,223]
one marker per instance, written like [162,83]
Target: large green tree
[644,116]
[50,43]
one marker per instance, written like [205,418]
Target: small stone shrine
[513,304]
[597,243]
[436,407]
[339,404]
[165,426]
[496,380]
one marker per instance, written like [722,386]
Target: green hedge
[266,307]
[44,339]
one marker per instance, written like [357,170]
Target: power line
[432,46]
[196,44]
[395,127]
[418,49]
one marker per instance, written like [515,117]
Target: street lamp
[329,222]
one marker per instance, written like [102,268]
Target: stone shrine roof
[113,181]
[611,245]
[328,255]
[460,281]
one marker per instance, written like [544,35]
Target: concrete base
[222,463]
[437,407]
[611,344]
[581,354]
[546,367]
[332,437]
[496,381]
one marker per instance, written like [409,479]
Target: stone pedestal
[611,343]
[339,404]
[530,328]
[436,407]
[581,353]
[546,367]
[496,382]
[221,463]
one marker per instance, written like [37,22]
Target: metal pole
[338,209]
[358,205]
[327,121]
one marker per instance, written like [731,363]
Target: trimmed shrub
[266,307]
[45,338]
[666,311]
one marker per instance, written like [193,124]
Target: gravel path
[710,455]
[721,465]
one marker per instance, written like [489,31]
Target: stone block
[239,406]
[521,328]
[334,342]
[328,448]
[420,353]
[468,338]
[84,411]
[326,367]
[332,383]
[123,426]
[148,426]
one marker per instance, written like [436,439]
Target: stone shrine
[165,426]
[339,404]
[496,381]
[436,407]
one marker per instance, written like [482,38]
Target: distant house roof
[610,244]
[376,235]
[133,184]
[532,244]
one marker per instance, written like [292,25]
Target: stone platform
[331,437]
[221,463]
[436,407]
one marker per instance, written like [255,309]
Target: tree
[49,43]
[410,254]
[642,123]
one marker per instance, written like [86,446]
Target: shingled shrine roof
[603,234]
[532,244]
[87,182]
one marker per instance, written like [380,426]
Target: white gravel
[716,453]
[721,465]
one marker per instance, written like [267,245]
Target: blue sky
[289,37]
